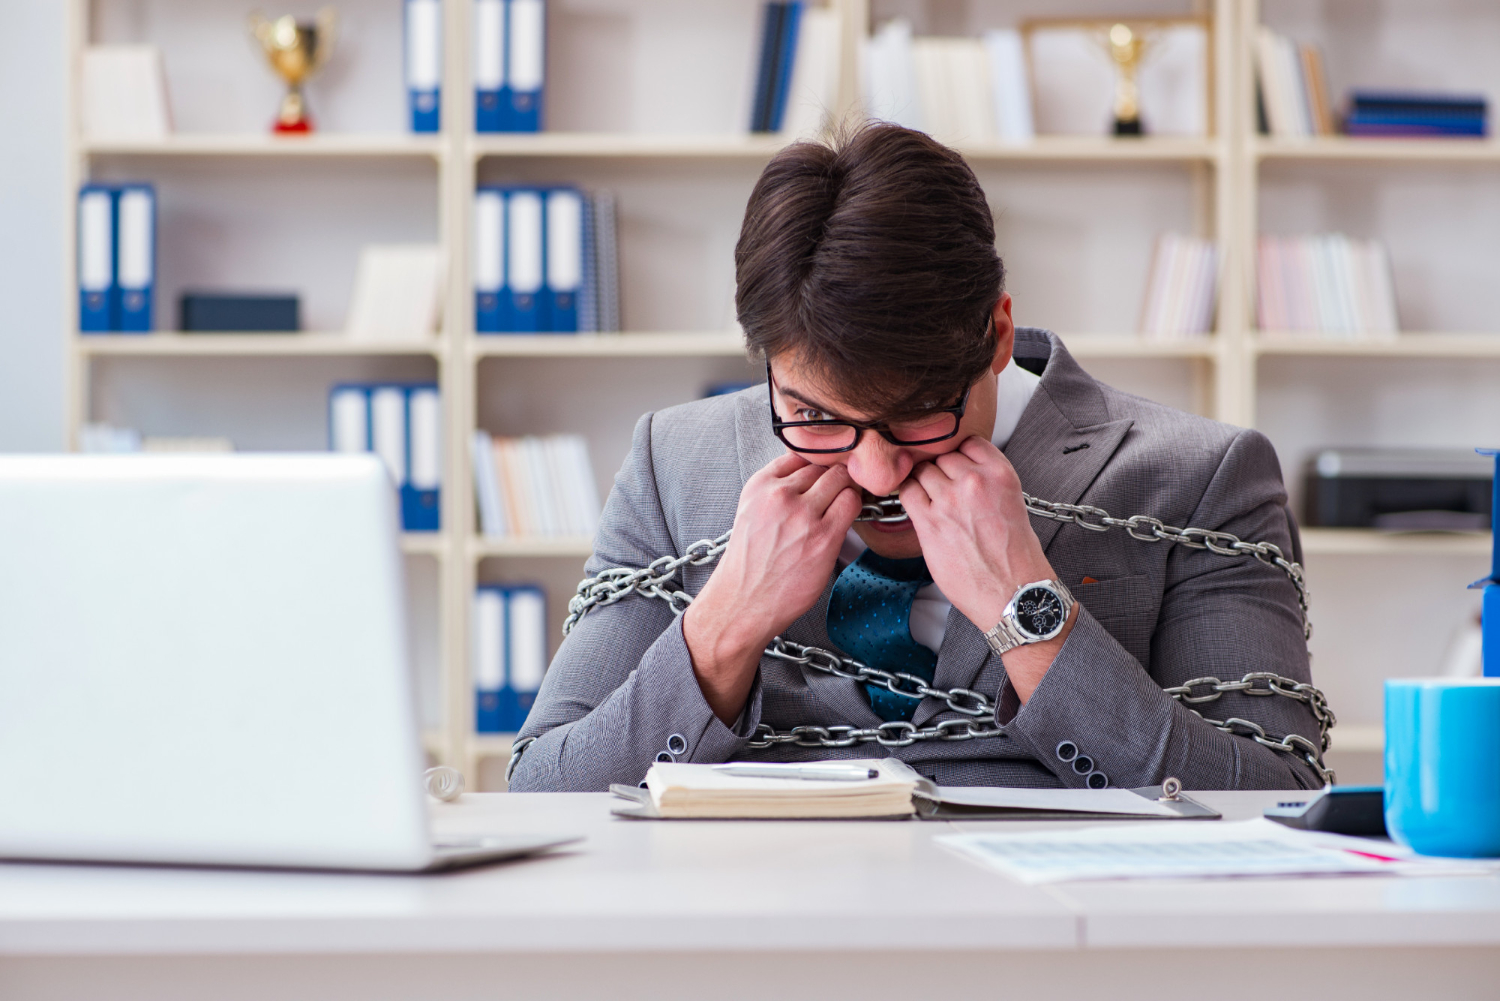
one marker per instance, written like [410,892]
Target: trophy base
[1128,127]
[298,128]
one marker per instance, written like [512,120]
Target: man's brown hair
[872,258]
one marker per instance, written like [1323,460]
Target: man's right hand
[791,521]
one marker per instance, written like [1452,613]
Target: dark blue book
[765,74]
[1390,100]
[786,56]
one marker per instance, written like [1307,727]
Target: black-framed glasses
[837,435]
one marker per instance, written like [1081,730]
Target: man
[1008,649]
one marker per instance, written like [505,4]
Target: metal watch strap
[1006,635]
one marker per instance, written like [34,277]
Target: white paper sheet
[1150,850]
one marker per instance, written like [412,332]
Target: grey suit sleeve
[622,687]
[1218,617]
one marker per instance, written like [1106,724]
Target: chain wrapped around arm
[976,711]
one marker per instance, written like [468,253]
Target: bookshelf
[1076,217]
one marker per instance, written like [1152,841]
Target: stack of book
[403,424]
[1386,113]
[545,261]
[958,89]
[797,73]
[1181,291]
[116,257]
[534,487]
[1326,284]
[510,59]
[1293,94]
[509,654]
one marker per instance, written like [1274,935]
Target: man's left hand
[970,518]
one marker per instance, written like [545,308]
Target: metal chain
[1265,683]
[616,583]
[1147,529]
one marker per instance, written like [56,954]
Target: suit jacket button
[1067,751]
[677,743]
[665,756]
[1098,780]
[1083,764]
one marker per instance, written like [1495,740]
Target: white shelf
[1096,149]
[625,144]
[1131,346]
[491,745]
[1357,737]
[423,543]
[231,344]
[1370,542]
[626,345]
[573,546]
[1455,149]
[266,144]
[1408,345]
[759,147]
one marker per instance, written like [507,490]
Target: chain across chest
[976,713]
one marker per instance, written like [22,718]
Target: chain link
[616,583]
[1147,529]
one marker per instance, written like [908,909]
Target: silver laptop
[203,661]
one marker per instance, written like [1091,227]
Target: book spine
[98,293]
[136,257]
[770,38]
[489,65]
[421,496]
[490,294]
[424,63]
[526,66]
[526,621]
[349,419]
[388,430]
[565,261]
[490,647]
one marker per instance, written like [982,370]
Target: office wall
[32,190]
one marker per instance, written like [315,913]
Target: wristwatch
[1036,613]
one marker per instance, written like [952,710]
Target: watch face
[1039,611]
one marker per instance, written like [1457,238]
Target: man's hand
[967,508]
[790,523]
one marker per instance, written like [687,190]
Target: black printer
[1399,489]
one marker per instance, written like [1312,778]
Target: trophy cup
[296,50]
[1126,47]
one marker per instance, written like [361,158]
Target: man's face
[876,465]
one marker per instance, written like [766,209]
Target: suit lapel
[1064,437]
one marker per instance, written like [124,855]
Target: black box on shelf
[203,312]
[1398,489]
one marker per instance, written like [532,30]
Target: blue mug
[1442,765]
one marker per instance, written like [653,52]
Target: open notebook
[675,791]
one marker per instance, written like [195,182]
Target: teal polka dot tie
[869,618]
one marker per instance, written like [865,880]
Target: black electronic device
[1357,810]
[1398,489]
[206,312]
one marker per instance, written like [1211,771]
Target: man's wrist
[1014,627]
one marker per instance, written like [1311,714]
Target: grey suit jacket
[622,689]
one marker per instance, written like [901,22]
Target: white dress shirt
[929,609]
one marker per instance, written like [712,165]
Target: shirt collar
[1013,388]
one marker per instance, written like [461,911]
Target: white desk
[729,910]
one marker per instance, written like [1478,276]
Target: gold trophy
[1126,46]
[296,50]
